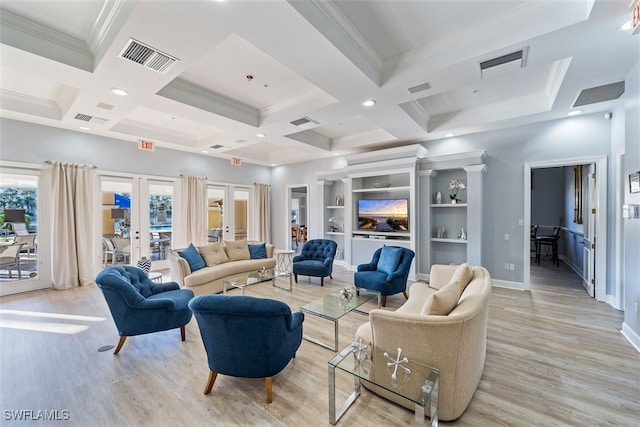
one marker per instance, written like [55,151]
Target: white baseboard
[631,336]
[508,284]
[614,302]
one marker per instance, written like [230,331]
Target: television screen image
[383,215]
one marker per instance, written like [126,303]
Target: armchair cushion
[193,258]
[257,251]
[389,259]
[214,254]
[237,250]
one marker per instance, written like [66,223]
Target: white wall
[632,226]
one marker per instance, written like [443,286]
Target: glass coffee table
[243,280]
[390,371]
[333,307]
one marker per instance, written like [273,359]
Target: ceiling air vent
[504,63]
[304,121]
[105,106]
[600,94]
[217,146]
[143,54]
[419,88]
[90,119]
[83,117]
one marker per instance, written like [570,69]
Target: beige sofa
[454,343]
[223,260]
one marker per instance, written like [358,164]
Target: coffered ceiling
[297,72]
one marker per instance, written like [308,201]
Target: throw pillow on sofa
[214,254]
[193,258]
[237,250]
[462,275]
[258,251]
[442,302]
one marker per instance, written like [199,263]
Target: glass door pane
[160,222]
[241,213]
[116,220]
[216,222]
[18,227]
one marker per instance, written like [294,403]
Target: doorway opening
[297,206]
[568,196]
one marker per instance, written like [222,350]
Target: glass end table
[391,371]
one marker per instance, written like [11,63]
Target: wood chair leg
[331,276]
[269,382]
[322,281]
[405,294]
[182,332]
[212,379]
[383,301]
[120,344]
[295,277]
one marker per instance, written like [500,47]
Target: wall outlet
[521,222]
[506,265]
[512,266]
[506,236]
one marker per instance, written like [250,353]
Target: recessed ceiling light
[260,135]
[626,26]
[119,92]
[574,112]
[205,151]
[369,103]
[83,128]
[449,135]
[273,165]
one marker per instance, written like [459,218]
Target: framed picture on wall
[634,182]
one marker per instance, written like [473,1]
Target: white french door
[137,220]
[228,211]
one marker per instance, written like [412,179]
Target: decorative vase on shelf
[462,234]
[454,201]
[438,197]
[339,200]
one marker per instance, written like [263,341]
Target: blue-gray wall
[25,142]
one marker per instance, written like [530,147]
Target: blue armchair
[140,306]
[387,272]
[315,259]
[246,337]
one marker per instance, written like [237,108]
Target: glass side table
[391,371]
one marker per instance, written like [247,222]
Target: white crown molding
[413,152]
[342,24]
[43,32]
[27,104]
[104,23]
[196,96]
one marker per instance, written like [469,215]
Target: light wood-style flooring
[555,357]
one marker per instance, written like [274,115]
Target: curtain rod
[182,175]
[49,162]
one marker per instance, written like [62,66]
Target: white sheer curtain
[193,209]
[72,214]
[262,217]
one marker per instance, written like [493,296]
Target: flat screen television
[383,215]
